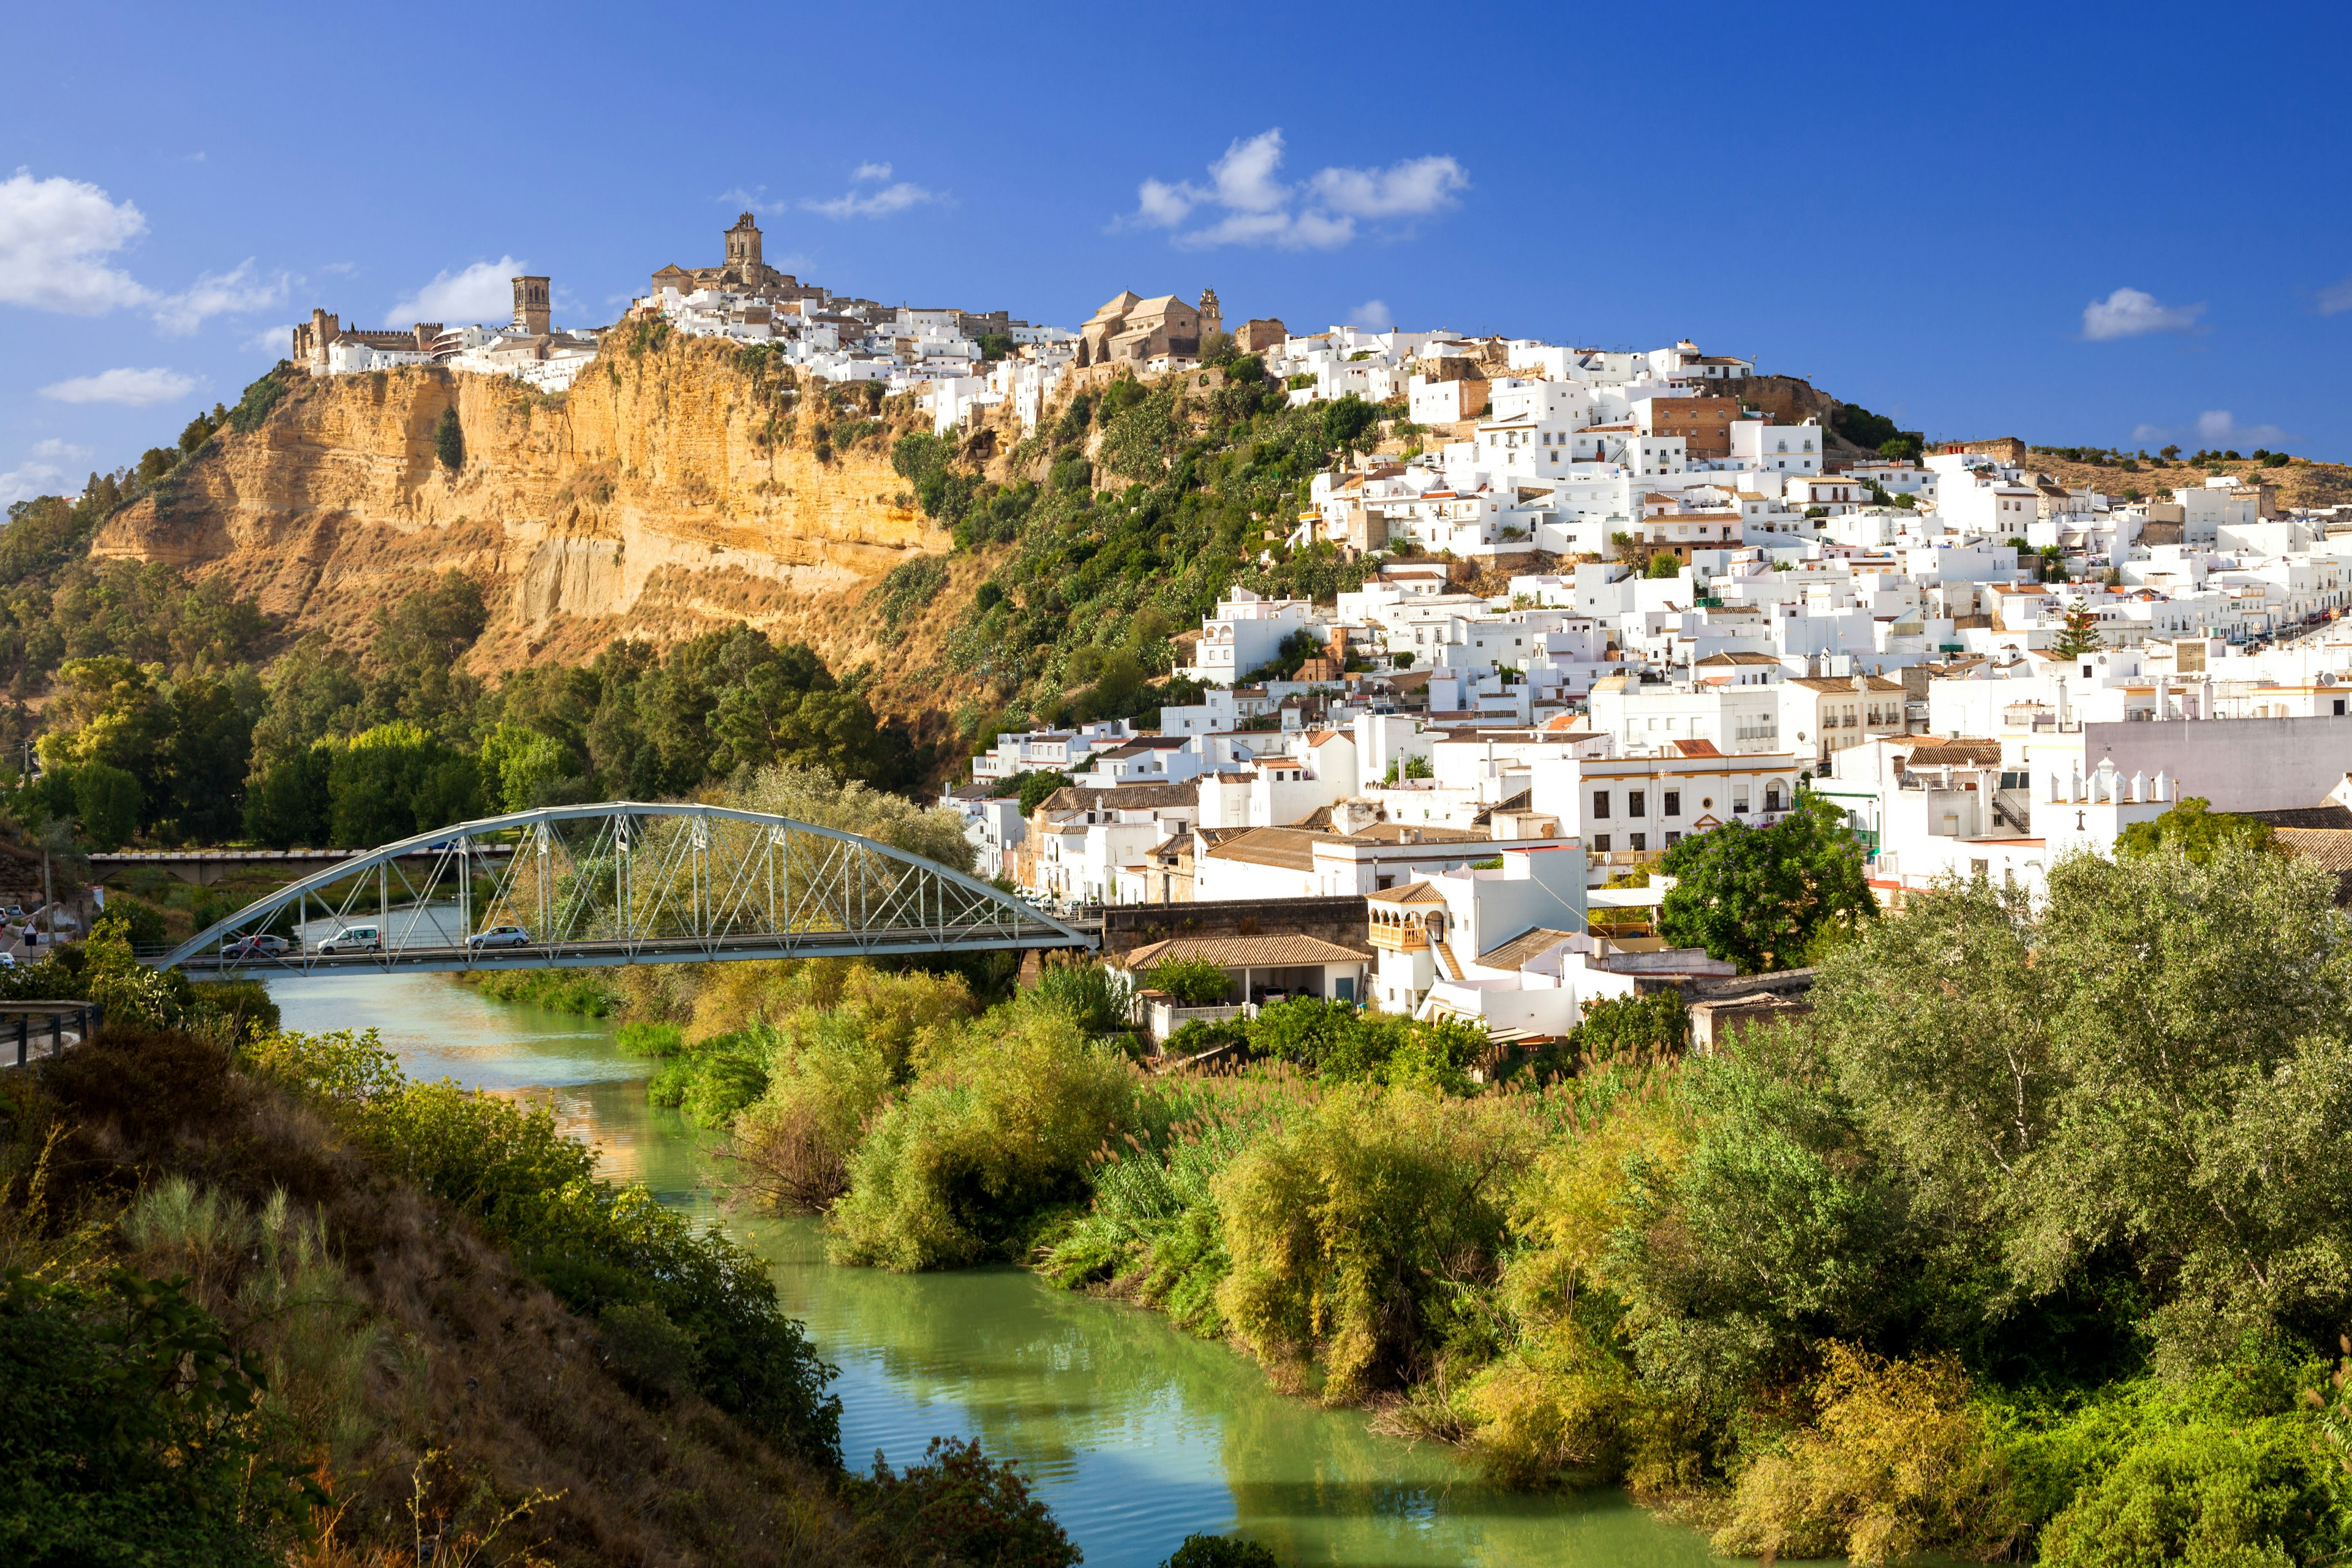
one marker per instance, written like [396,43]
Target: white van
[353,939]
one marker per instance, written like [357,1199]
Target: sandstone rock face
[665,494]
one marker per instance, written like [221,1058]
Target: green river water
[1135,1433]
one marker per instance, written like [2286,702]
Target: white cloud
[2336,299]
[482,292]
[340,268]
[1320,213]
[1410,189]
[2216,427]
[29,479]
[2131,313]
[53,447]
[275,342]
[855,203]
[55,237]
[133,388]
[1373,316]
[1160,204]
[234,292]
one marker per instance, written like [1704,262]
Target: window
[1601,843]
[1641,842]
[1674,803]
[1739,800]
[1601,803]
[1673,840]
[1637,804]
[1772,798]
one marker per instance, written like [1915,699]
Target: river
[1135,1433]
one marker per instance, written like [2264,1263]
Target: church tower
[531,310]
[743,248]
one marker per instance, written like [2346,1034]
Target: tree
[2193,829]
[1036,786]
[1663,564]
[1192,981]
[1758,896]
[2149,1068]
[2081,634]
[109,800]
[2169,453]
[449,439]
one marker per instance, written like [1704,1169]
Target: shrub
[254,406]
[1219,1552]
[657,1040]
[129,1437]
[829,1073]
[958,1170]
[1353,1230]
[596,1246]
[449,441]
[954,1506]
[713,1079]
[2203,1493]
[1191,982]
[1895,1465]
[1088,994]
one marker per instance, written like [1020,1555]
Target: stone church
[1130,327]
[743,273]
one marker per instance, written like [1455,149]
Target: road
[448,957]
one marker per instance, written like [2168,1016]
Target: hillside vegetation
[267,1302]
[2030,1243]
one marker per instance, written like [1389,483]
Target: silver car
[500,936]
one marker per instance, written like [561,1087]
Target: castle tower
[1212,318]
[743,246]
[531,313]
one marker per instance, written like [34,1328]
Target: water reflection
[1135,1433]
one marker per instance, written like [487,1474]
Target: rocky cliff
[671,491]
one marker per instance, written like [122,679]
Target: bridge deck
[452,959]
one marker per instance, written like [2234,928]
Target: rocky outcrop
[672,489]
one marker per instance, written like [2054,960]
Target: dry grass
[438,1389]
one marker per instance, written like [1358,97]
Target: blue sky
[2108,224]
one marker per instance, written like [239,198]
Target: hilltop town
[1593,601]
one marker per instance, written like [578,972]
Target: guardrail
[16,1020]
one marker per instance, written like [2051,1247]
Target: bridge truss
[622,882]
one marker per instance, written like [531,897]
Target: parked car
[7,960]
[254,944]
[500,936]
[353,939]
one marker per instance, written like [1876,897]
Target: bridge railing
[38,1030]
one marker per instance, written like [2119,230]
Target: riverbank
[1813,1289]
[1134,1433]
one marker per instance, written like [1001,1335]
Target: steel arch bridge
[624,883]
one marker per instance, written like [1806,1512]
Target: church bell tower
[531,311]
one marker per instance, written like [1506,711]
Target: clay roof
[1960,753]
[1119,798]
[1740,657]
[2330,848]
[1278,952]
[1695,748]
[1415,893]
[1291,848]
[1516,952]
[1835,683]
[2306,817]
